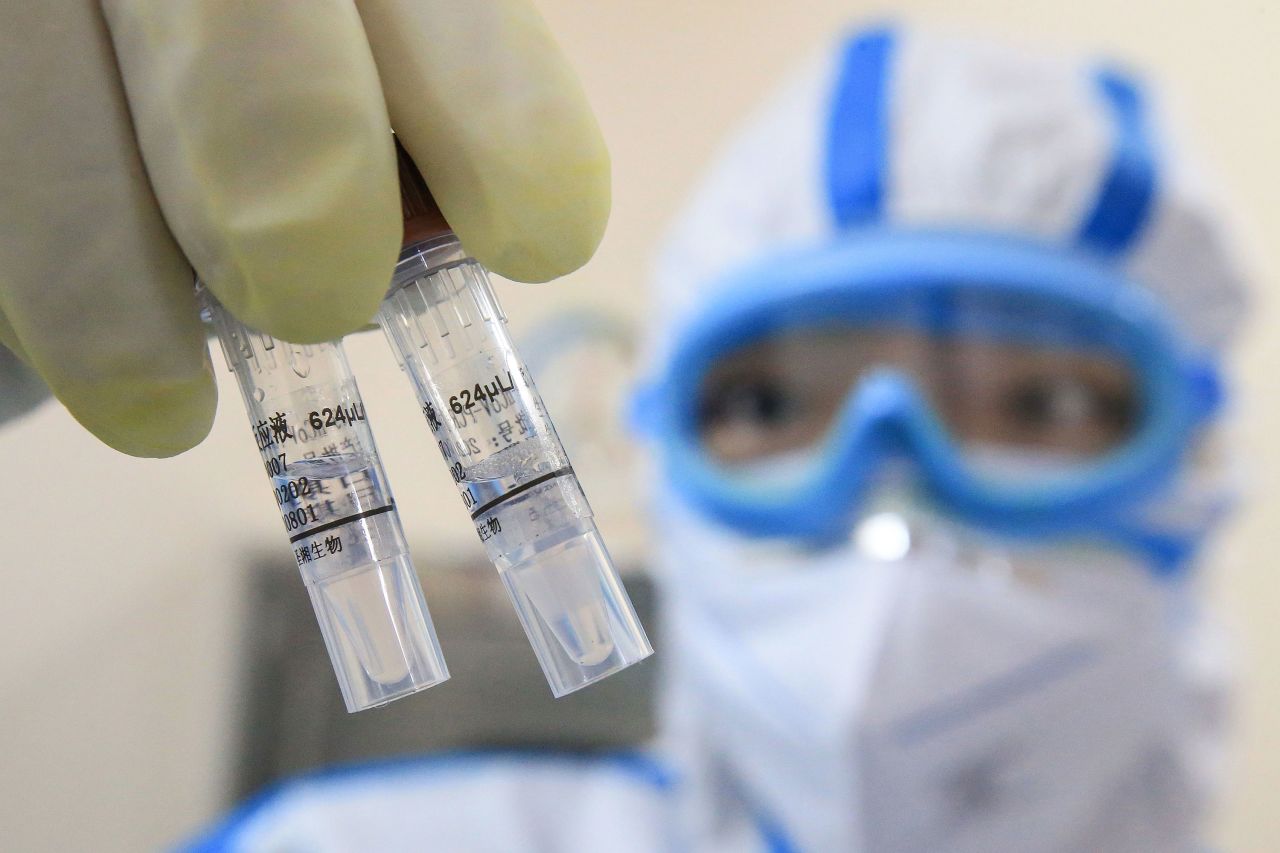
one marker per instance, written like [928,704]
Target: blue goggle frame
[862,277]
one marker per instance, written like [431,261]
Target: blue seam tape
[224,835]
[1127,192]
[637,765]
[856,142]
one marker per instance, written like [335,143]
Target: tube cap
[380,638]
[422,217]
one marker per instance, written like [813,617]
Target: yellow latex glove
[249,140]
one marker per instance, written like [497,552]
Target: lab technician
[933,386]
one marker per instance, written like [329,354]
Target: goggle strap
[641,408]
[1208,391]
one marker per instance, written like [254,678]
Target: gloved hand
[250,141]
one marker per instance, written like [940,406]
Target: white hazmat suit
[924,684]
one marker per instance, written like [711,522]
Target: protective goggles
[1025,388]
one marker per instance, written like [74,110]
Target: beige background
[118,598]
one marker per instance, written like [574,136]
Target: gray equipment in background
[292,719]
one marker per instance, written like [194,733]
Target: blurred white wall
[118,616]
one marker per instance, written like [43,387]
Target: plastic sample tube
[450,336]
[309,424]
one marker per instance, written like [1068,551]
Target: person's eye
[756,402]
[1056,402]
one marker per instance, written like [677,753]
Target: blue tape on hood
[1127,192]
[856,141]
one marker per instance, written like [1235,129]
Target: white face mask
[923,688]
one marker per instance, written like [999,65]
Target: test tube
[450,336]
[310,427]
